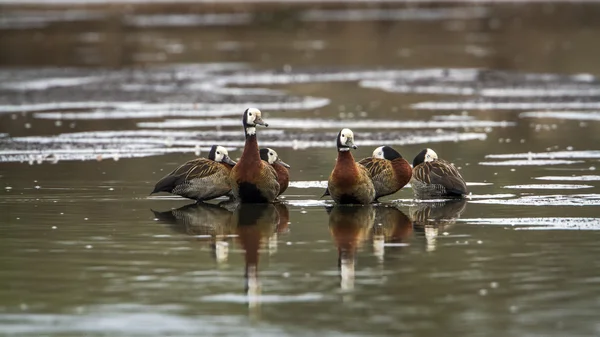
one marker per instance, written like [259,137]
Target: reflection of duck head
[349,226]
[391,225]
[253,223]
[203,221]
[431,217]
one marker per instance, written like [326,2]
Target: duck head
[252,118]
[271,157]
[426,155]
[386,152]
[345,140]
[220,154]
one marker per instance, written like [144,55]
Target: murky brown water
[96,105]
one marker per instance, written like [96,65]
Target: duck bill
[228,160]
[350,143]
[259,121]
[281,162]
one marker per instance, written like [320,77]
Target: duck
[349,182]
[253,180]
[200,179]
[283,175]
[389,171]
[433,177]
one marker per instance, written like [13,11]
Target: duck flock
[260,176]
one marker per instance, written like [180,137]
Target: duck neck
[345,157]
[251,147]
[250,130]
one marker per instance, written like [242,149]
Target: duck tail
[166,184]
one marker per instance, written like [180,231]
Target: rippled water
[98,104]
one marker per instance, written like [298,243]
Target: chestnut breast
[402,171]
[283,177]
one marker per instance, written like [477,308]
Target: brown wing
[269,179]
[382,174]
[445,174]
[421,173]
[197,168]
[364,172]
[375,166]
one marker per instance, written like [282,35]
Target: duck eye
[250,114]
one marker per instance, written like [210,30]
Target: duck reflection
[205,222]
[254,223]
[392,227]
[431,218]
[349,225]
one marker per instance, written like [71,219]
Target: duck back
[198,179]
[438,178]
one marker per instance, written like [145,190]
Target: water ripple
[98,145]
[549,186]
[291,123]
[573,115]
[539,223]
[546,200]
[418,14]
[532,162]
[570,178]
[548,155]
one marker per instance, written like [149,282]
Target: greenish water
[96,107]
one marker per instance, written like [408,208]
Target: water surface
[97,104]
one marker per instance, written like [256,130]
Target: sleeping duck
[433,177]
[200,179]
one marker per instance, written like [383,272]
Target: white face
[378,153]
[347,137]
[221,153]
[272,156]
[251,115]
[430,155]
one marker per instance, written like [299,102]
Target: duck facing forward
[389,171]
[200,179]
[253,180]
[349,182]
[283,175]
[433,177]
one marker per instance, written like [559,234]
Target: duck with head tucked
[389,171]
[253,180]
[200,179]
[283,175]
[349,182]
[433,177]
